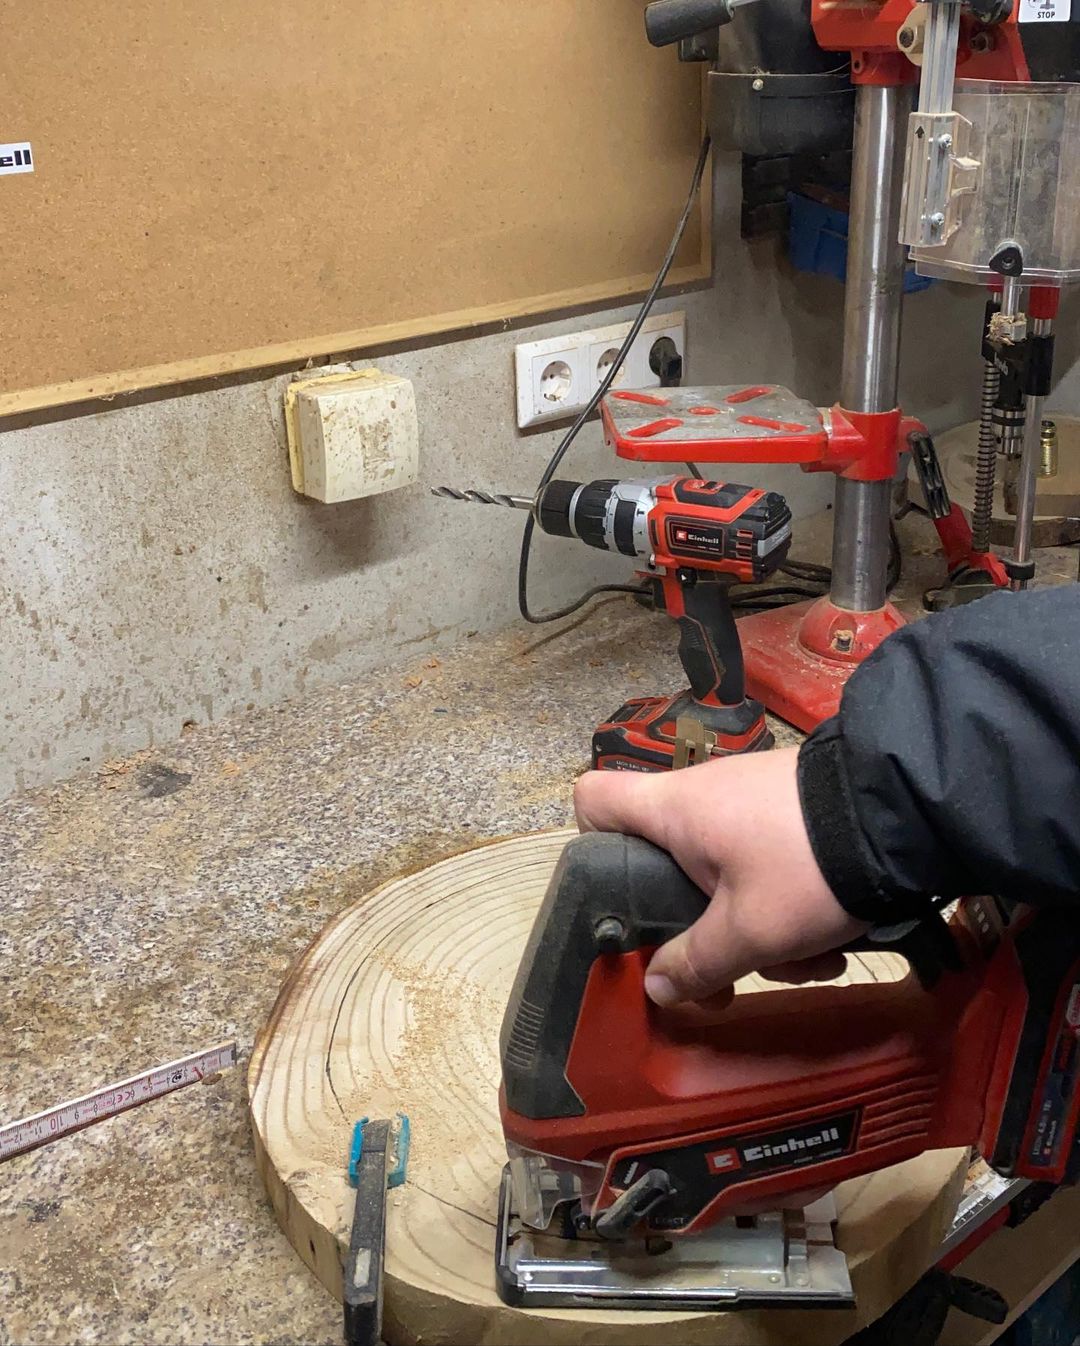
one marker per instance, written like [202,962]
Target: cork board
[221,187]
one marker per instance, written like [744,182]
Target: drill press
[981,180]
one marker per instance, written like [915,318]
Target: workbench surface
[152,908]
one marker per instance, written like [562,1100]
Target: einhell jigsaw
[694,539]
[641,1142]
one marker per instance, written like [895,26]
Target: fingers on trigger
[703,1013]
[690,962]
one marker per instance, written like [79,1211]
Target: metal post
[1029,469]
[1012,297]
[939,59]
[872,314]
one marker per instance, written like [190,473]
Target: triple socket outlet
[557,376]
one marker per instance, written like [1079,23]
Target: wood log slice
[1057,497]
[396,1007]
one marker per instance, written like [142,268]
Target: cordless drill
[696,538]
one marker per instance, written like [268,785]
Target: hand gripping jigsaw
[695,539]
[638,1138]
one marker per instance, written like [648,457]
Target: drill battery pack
[655,733]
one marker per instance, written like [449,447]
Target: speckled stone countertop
[152,909]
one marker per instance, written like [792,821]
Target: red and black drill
[696,538]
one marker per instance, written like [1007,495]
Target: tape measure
[45,1127]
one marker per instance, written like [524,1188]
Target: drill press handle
[709,647]
[670,21]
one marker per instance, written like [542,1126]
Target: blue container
[818,239]
[1053,1320]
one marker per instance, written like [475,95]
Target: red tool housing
[785,1090]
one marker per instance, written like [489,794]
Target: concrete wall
[156,566]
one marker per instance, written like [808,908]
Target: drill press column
[872,319]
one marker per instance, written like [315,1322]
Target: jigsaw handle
[927,943]
[610,894]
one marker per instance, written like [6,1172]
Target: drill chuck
[554,507]
[608,515]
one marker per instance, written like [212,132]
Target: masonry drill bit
[484,497]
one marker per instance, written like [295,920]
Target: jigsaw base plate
[785,1259]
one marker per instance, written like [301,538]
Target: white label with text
[1045,11]
[16,158]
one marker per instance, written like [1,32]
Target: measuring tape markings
[30,1133]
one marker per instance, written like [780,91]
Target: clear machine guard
[1022,143]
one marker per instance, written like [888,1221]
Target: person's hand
[735,826]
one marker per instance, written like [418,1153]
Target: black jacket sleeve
[953,766]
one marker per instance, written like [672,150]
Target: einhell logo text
[810,1143]
[16,158]
[791,1145]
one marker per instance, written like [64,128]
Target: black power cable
[538,618]
[806,573]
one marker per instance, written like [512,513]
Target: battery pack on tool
[649,733]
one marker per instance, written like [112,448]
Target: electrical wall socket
[557,376]
[352,433]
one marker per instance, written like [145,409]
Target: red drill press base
[799,658]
